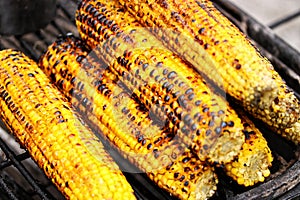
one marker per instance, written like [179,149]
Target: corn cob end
[252,164]
[197,180]
[206,186]
[293,133]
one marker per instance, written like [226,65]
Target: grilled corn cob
[42,120]
[195,29]
[252,164]
[201,119]
[137,136]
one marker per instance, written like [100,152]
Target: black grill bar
[19,158]
[284,20]
[27,48]
[12,156]
[7,190]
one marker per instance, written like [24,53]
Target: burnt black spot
[61,121]
[73,80]
[145,65]
[140,138]
[221,112]
[167,98]
[101,87]
[57,113]
[186,159]
[185,130]
[71,91]
[79,58]
[125,110]
[205,147]
[171,75]
[169,88]
[159,64]
[165,85]
[217,42]
[191,96]
[276,100]
[88,8]
[149,146]
[152,72]
[187,119]
[157,78]
[186,183]
[176,174]
[205,109]
[158,140]
[56,63]
[37,105]
[189,91]
[218,130]
[194,127]
[114,28]
[197,103]
[211,123]
[174,120]
[201,30]
[238,66]
[156,154]
[182,178]
[208,132]
[223,124]
[230,123]
[165,71]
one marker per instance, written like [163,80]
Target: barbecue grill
[20,178]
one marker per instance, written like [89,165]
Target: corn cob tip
[293,133]
[206,186]
[252,164]
[226,147]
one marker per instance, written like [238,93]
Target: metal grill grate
[20,178]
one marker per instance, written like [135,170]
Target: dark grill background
[20,178]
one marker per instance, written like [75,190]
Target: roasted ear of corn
[163,82]
[89,84]
[61,144]
[253,161]
[193,26]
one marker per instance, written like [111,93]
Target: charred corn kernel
[162,81]
[196,29]
[252,164]
[61,144]
[137,136]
